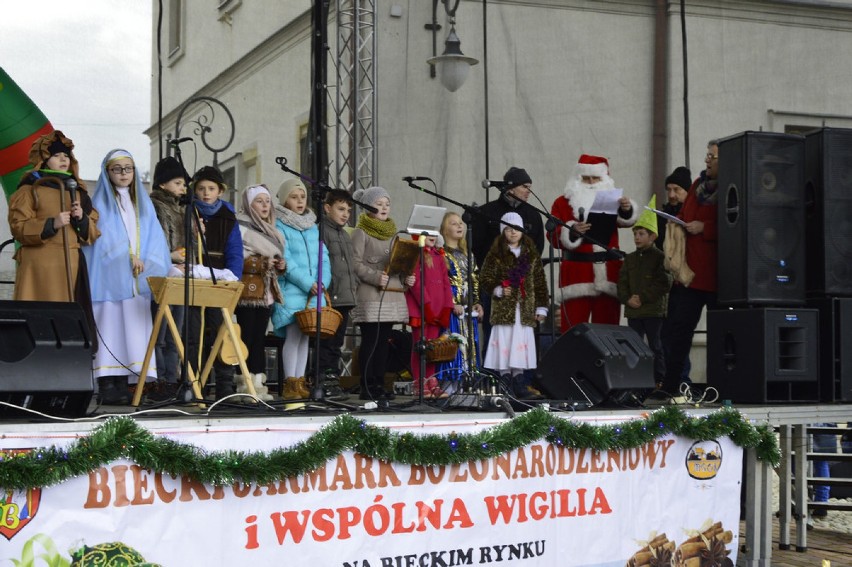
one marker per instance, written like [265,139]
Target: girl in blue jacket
[298,224]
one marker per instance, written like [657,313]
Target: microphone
[501,185]
[71,185]
[409,179]
[581,214]
[421,241]
[179,141]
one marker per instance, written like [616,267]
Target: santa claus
[590,257]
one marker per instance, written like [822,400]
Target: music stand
[425,219]
[205,293]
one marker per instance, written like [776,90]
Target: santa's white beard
[581,194]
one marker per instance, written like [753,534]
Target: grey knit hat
[370,195]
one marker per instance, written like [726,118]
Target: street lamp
[454,65]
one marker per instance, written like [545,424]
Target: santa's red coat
[586,279]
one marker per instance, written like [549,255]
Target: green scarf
[381,229]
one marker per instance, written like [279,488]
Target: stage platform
[757,540]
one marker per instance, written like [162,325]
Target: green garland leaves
[122,437]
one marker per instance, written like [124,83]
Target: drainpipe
[659,142]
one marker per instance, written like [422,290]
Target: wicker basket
[441,350]
[307,319]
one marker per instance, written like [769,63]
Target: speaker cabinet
[592,364]
[763,355]
[828,210]
[761,219]
[45,358]
[835,348]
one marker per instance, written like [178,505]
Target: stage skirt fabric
[124,329]
[511,346]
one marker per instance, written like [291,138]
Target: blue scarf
[207,210]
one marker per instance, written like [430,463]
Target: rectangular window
[176,26]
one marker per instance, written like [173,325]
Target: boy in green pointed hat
[643,287]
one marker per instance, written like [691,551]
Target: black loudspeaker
[761,220]
[835,348]
[763,355]
[45,358]
[592,364]
[828,210]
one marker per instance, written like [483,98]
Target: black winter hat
[167,169]
[681,176]
[209,173]
[516,176]
[59,147]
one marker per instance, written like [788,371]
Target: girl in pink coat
[434,318]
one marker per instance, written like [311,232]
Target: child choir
[98,248]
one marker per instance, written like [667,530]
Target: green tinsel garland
[123,438]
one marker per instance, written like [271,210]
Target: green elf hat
[648,219]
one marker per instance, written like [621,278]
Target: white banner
[541,505]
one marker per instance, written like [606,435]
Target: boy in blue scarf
[225,251]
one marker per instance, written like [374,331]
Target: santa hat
[648,219]
[592,166]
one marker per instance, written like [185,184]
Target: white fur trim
[599,269]
[574,291]
[565,237]
[637,212]
[592,169]
[601,285]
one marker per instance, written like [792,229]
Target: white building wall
[565,77]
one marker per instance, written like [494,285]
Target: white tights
[295,352]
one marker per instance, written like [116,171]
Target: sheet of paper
[606,201]
[667,216]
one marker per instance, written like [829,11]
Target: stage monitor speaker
[761,219]
[828,212]
[763,355]
[593,364]
[835,347]
[45,358]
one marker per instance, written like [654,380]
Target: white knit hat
[254,191]
[510,218]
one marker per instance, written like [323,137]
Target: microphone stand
[472,353]
[184,392]
[467,217]
[318,192]
[549,226]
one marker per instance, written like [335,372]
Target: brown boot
[294,388]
